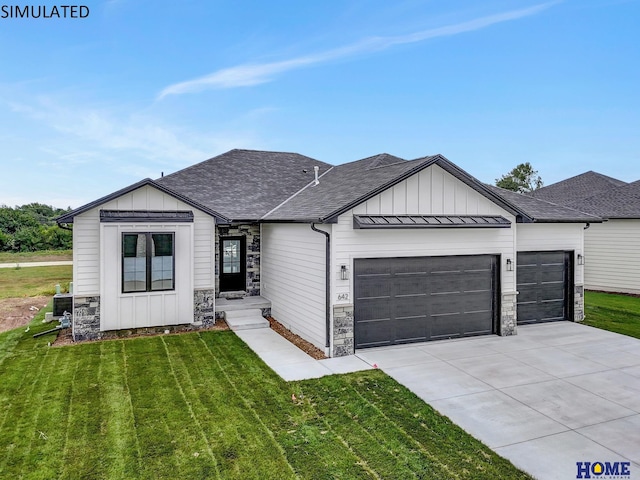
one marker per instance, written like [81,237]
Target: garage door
[404,300]
[543,282]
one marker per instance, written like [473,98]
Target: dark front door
[405,300]
[544,286]
[233,264]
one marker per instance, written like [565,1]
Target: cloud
[254,74]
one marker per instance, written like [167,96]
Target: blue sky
[88,106]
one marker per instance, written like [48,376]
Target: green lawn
[202,405]
[33,281]
[41,256]
[617,313]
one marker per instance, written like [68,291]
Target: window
[147,262]
[231,259]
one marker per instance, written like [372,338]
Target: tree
[522,179]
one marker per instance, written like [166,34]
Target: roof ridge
[311,183]
[240,150]
[536,199]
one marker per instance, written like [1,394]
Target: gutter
[327,343]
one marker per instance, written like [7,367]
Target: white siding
[86,238]
[612,256]
[431,191]
[553,236]
[145,309]
[293,278]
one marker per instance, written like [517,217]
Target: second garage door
[543,280]
[415,299]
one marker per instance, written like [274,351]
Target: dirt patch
[298,341]
[18,312]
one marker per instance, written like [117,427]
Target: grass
[41,256]
[617,313]
[203,405]
[33,281]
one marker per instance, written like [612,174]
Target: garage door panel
[527,275]
[475,282]
[411,329]
[411,307]
[409,285]
[408,265]
[543,286]
[548,258]
[540,312]
[375,308]
[375,266]
[429,298]
[375,333]
[444,304]
[373,286]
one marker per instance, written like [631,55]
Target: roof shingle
[245,184]
[542,211]
[577,188]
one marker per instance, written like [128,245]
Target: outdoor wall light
[344,273]
[509,265]
[580,259]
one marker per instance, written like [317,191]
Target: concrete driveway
[555,394]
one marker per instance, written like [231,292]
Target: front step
[247,319]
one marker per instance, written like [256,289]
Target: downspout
[327,344]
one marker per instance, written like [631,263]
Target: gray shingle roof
[577,188]
[249,185]
[244,184]
[542,211]
[343,185]
[619,202]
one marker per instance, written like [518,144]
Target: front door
[233,264]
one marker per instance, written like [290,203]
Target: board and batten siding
[145,309]
[612,256]
[535,237]
[293,278]
[86,238]
[433,191]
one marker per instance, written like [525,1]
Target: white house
[612,249]
[375,252]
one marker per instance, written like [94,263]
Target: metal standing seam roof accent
[132,216]
[430,221]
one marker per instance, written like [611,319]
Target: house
[612,250]
[375,252]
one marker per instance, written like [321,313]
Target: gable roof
[616,203]
[245,184]
[577,188]
[542,211]
[69,216]
[249,185]
[348,185]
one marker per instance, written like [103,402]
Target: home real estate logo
[43,11]
[604,470]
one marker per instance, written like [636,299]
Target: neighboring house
[373,252]
[612,248]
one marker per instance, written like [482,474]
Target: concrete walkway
[36,264]
[290,362]
[555,394]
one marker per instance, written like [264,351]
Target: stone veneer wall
[86,318]
[508,315]
[252,234]
[343,342]
[578,303]
[203,307]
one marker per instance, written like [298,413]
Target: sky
[136,88]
